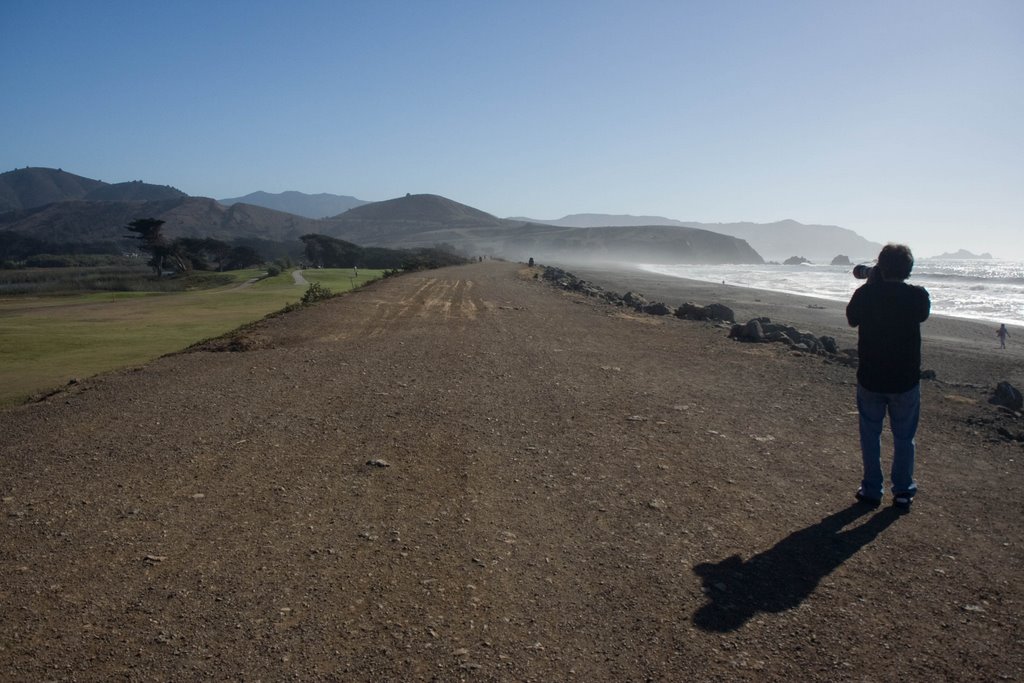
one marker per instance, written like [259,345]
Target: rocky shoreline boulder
[1007,396]
[634,300]
[656,309]
[755,330]
[764,330]
[691,311]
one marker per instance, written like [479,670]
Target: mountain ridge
[426,220]
[405,222]
[33,187]
[80,221]
[316,206]
[963,254]
[83,210]
[774,241]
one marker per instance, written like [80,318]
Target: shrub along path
[467,474]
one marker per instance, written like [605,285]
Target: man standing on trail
[888,314]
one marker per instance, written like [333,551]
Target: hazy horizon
[897,120]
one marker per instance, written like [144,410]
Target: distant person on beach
[888,314]
[1002,333]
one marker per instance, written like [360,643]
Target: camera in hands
[862,271]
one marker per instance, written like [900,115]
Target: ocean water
[984,290]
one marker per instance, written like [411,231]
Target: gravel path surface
[466,474]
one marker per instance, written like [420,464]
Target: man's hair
[896,261]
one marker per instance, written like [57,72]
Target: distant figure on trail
[1002,333]
[888,314]
[355,272]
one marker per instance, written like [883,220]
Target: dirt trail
[572,493]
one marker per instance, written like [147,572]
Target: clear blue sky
[902,120]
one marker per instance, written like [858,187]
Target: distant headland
[963,254]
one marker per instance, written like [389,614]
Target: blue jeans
[904,411]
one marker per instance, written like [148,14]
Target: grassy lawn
[47,340]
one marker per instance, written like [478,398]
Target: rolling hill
[417,218]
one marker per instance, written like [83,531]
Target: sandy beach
[470,474]
[960,351]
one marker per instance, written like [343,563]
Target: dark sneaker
[902,502]
[867,500]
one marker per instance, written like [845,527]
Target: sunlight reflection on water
[990,291]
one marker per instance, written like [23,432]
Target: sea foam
[984,290]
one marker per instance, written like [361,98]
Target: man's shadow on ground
[783,576]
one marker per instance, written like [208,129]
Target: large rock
[764,330]
[1007,396]
[613,298]
[656,309]
[634,300]
[572,283]
[720,312]
[750,332]
[753,331]
[691,311]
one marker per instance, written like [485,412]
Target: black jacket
[889,315]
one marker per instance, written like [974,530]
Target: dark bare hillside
[422,209]
[406,218]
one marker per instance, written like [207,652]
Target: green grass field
[47,340]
